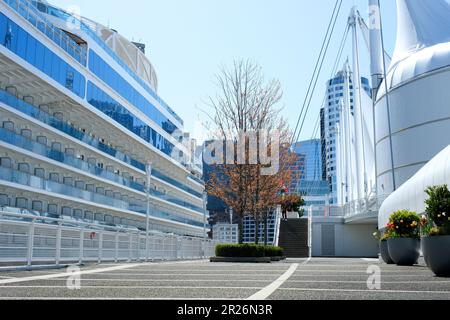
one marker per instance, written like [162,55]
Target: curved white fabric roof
[411,195]
[423,40]
[127,51]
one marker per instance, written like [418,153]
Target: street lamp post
[149,178]
[205,200]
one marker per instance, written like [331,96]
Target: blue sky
[187,41]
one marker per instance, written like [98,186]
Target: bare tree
[245,115]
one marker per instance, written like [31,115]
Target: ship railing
[29,239]
[27,10]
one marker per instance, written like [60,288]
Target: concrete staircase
[294,238]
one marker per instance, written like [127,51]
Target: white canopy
[421,24]
[411,195]
[423,40]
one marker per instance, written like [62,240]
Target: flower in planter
[404,224]
[438,206]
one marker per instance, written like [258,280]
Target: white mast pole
[342,152]
[361,174]
[348,135]
[376,68]
[340,174]
[376,51]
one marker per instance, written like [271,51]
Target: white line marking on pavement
[370,260]
[168,280]
[365,282]
[267,291]
[115,298]
[149,274]
[132,287]
[366,290]
[90,271]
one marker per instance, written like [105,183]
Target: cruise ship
[84,135]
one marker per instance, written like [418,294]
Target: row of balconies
[52,149]
[53,117]
[43,207]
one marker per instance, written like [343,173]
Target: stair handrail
[277,226]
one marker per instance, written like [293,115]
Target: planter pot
[384,250]
[404,251]
[436,251]
[276,259]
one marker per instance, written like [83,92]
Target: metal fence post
[100,247]
[30,244]
[58,244]
[148,189]
[147,247]
[81,245]
[163,248]
[130,247]
[116,247]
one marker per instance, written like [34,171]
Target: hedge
[272,251]
[248,251]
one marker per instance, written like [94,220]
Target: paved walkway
[292,279]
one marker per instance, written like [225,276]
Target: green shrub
[404,224]
[438,209]
[247,251]
[272,251]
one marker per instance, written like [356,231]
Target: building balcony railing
[40,149]
[35,182]
[369,206]
[46,118]
[93,35]
[27,144]
[27,10]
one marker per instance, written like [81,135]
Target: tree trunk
[266,229]
[256,228]
[241,230]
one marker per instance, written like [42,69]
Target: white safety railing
[28,239]
[366,206]
[276,239]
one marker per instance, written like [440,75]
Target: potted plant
[436,230]
[384,250]
[404,237]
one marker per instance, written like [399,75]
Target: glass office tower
[330,115]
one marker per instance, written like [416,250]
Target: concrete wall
[349,240]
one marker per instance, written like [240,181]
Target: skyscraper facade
[309,182]
[330,116]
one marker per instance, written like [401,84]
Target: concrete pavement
[297,279]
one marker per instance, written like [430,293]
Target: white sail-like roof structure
[417,80]
[423,40]
[411,195]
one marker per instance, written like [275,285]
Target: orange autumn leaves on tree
[247,105]
[291,203]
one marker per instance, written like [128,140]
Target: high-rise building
[225,233]
[310,153]
[217,208]
[307,170]
[81,120]
[330,115]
